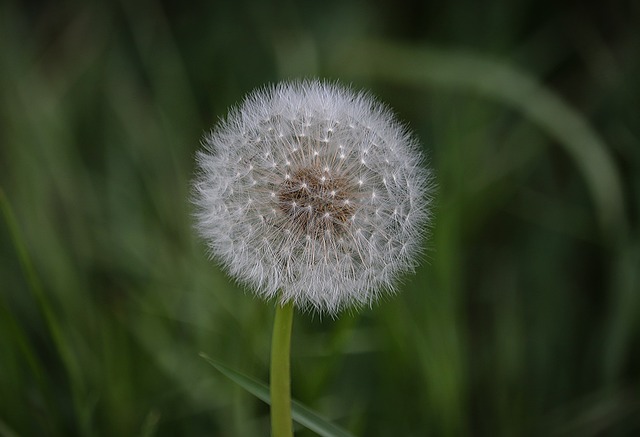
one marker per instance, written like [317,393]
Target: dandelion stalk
[280,380]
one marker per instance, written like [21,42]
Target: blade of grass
[55,330]
[5,431]
[301,414]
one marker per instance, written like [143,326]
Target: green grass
[524,318]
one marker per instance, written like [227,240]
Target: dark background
[524,318]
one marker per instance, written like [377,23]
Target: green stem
[280,381]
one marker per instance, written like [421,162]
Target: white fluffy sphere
[312,193]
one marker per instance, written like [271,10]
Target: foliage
[524,319]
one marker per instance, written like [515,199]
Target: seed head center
[316,202]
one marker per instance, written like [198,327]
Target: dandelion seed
[309,223]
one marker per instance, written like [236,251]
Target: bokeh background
[524,318]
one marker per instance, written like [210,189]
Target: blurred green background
[524,318]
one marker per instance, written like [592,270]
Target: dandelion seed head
[312,193]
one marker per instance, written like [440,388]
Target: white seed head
[313,193]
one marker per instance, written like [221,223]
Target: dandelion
[313,194]
[316,196]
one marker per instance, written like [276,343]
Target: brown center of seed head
[317,202]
